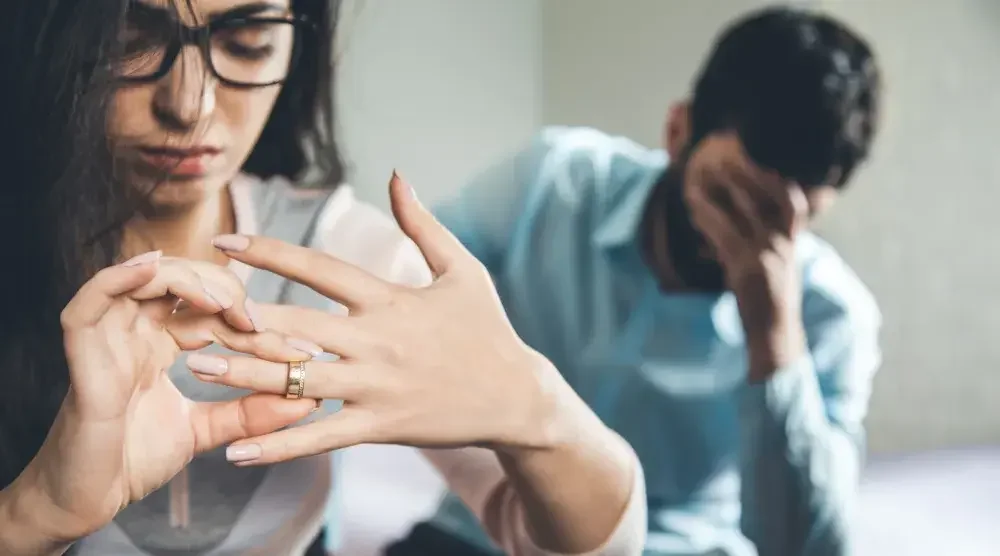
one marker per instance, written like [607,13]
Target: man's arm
[803,438]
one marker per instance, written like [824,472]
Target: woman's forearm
[24,523]
[576,492]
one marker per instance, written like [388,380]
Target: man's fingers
[348,427]
[329,276]
[800,210]
[752,221]
[94,299]
[441,249]
[715,225]
[323,380]
[218,423]
[782,203]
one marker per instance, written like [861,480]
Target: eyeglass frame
[200,37]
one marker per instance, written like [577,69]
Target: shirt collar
[620,223]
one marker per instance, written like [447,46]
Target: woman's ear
[678,129]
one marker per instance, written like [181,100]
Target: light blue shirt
[766,469]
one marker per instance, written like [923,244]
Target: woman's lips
[192,162]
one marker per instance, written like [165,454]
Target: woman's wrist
[553,418]
[572,473]
[25,527]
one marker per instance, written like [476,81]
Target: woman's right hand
[124,429]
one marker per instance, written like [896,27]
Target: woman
[165,136]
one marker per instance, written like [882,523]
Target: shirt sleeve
[803,437]
[477,478]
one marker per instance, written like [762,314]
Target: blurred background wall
[435,88]
[438,88]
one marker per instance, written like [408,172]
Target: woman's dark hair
[61,208]
[799,88]
[301,126]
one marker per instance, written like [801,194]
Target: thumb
[218,423]
[440,248]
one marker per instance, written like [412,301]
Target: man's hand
[753,236]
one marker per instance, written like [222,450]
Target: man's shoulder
[587,143]
[832,290]
[582,166]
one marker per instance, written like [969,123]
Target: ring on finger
[295,384]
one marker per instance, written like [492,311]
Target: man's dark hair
[800,89]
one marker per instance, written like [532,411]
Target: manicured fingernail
[251,309]
[231,242]
[244,452]
[305,346]
[207,364]
[145,258]
[219,296]
[409,188]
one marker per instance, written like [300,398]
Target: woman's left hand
[439,366]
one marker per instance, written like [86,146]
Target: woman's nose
[186,95]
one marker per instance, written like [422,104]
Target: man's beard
[685,244]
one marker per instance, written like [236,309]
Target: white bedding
[934,504]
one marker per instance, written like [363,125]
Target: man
[683,298]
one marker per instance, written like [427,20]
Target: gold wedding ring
[295,385]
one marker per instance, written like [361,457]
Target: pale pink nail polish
[220,297]
[207,364]
[145,258]
[243,453]
[231,242]
[305,346]
[251,308]
[409,188]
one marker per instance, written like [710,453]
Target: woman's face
[189,131]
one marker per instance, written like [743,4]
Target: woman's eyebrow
[145,12]
[247,10]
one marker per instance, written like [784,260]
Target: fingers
[800,209]
[193,330]
[323,380]
[347,427]
[218,423]
[753,226]
[782,205]
[208,287]
[344,336]
[441,249]
[715,224]
[96,296]
[327,275]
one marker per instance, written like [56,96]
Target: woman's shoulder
[343,226]
[365,235]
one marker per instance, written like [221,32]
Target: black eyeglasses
[242,52]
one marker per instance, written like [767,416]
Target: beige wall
[435,88]
[922,225]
